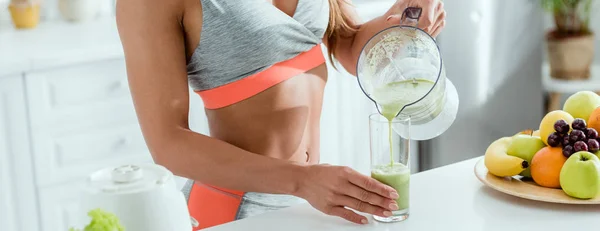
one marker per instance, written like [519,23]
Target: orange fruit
[594,120]
[546,165]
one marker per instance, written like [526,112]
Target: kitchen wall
[51,12]
[4,15]
[493,54]
[595,21]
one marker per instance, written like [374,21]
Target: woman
[258,67]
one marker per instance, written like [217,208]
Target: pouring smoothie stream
[392,97]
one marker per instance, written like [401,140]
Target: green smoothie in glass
[396,176]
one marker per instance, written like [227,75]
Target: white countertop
[446,198]
[54,44]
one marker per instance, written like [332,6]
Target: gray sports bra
[243,37]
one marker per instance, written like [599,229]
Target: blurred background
[65,108]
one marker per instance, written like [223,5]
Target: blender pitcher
[401,70]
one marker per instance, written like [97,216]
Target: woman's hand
[433,15]
[334,189]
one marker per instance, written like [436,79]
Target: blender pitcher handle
[410,16]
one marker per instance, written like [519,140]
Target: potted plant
[25,14]
[570,42]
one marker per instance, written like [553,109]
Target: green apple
[582,104]
[580,175]
[525,147]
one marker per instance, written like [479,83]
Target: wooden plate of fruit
[525,188]
[559,163]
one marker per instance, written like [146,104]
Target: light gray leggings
[254,203]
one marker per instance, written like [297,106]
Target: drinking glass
[390,160]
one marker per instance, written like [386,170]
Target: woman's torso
[242,37]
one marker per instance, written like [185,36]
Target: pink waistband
[242,89]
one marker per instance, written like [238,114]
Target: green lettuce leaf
[102,221]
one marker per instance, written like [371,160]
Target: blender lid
[130,178]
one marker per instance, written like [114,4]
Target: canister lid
[131,178]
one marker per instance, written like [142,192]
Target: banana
[501,164]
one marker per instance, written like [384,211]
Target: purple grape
[560,137]
[584,130]
[554,140]
[578,124]
[576,135]
[580,146]
[591,133]
[561,126]
[593,145]
[566,141]
[568,151]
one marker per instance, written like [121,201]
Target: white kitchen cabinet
[82,119]
[18,202]
[79,95]
[59,207]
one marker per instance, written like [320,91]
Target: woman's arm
[152,34]
[153,40]
[348,48]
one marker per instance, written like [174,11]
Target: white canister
[143,197]
[79,10]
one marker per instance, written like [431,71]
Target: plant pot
[570,57]
[79,10]
[25,15]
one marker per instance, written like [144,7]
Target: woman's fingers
[347,214]
[440,7]
[393,20]
[440,23]
[439,15]
[362,206]
[438,30]
[363,195]
[429,13]
[371,185]
[432,15]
